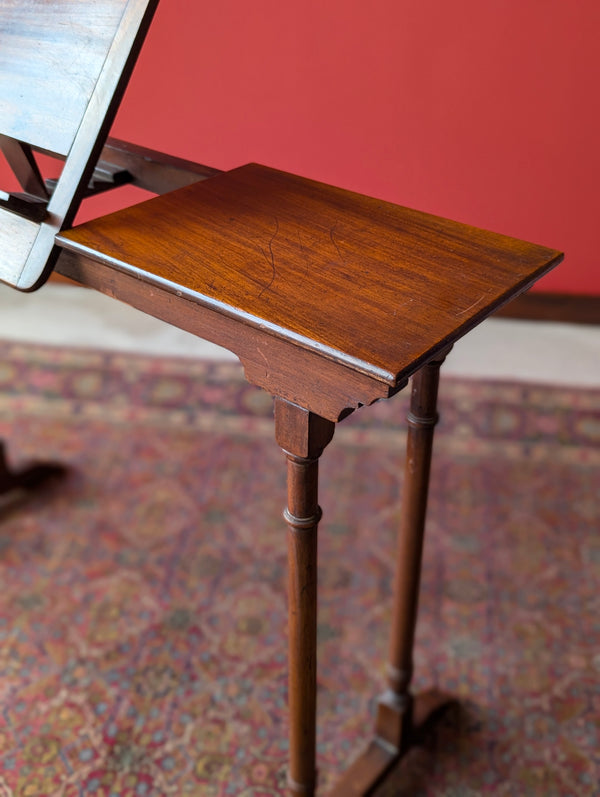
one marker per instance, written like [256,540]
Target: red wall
[485,111]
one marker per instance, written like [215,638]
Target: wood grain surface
[369,284]
[51,55]
[64,66]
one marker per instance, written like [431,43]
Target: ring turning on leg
[303,436]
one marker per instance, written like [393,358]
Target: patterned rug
[143,612]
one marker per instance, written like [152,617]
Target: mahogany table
[332,301]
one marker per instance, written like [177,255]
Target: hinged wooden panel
[51,54]
[17,236]
[64,65]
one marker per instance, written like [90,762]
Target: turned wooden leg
[395,709]
[396,714]
[28,477]
[303,436]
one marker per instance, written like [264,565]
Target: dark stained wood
[105,177]
[394,723]
[422,418]
[375,287]
[28,477]
[56,277]
[370,769]
[154,171]
[306,378]
[562,307]
[150,170]
[303,436]
[22,161]
[331,300]
[396,726]
[367,771]
[28,207]
[63,69]
[257,266]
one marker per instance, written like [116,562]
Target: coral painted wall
[485,111]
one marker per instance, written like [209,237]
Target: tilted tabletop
[366,284]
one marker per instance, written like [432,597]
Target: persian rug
[143,608]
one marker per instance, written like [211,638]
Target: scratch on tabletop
[335,243]
[400,306]
[270,258]
[471,306]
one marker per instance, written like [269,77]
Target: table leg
[397,713]
[395,709]
[27,478]
[303,436]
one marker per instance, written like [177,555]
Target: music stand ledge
[332,301]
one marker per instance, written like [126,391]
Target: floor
[61,314]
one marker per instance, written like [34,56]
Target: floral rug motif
[143,609]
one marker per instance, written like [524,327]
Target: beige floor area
[498,349]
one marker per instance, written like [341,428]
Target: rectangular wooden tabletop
[366,283]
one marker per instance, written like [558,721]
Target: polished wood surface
[368,284]
[303,437]
[422,419]
[398,719]
[331,300]
[63,68]
[299,375]
[149,170]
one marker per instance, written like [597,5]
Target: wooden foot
[26,478]
[372,767]
[367,771]
[303,436]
